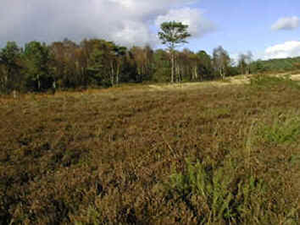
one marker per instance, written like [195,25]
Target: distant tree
[162,67]
[173,34]
[37,63]
[118,59]
[143,58]
[105,60]
[10,62]
[244,62]
[187,65]
[221,61]
[205,65]
[98,62]
[258,66]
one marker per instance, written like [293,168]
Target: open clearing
[197,153]
[237,80]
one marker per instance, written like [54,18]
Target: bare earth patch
[237,80]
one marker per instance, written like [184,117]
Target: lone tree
[173,34]
[221,61]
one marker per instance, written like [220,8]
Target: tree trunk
[173,67]
[221,72]
[112,74]
[39,82]
[196,73]
[117,74]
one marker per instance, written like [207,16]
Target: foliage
[244,63]
[221,62]
[222,195]
[37,66]
[284,129]
[98,63]
[172,35]
[275,65]
[10,67]
[266,81]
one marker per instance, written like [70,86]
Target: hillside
[278,65]
[211,154]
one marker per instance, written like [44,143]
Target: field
[221,153]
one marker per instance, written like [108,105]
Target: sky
[267,28]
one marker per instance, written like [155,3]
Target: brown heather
[134,155]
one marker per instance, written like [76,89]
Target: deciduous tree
[10,63]
[221,61]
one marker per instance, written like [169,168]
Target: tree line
[39,67]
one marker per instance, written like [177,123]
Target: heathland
[204,153]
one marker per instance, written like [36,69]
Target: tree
[205,65]
[119,53]
[105,60]
[37,61]
[244,62]
[143,58]
[221,61]
[10,62]
[172,35]
[161,66]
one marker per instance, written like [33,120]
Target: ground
[223,152]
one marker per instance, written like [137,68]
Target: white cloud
[126,22]
[285,50]
[286,23]
[198,24]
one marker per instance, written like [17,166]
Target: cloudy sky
[269,28]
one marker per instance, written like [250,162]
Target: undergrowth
[219,195]
[226,155]
[268,81]
[284,128]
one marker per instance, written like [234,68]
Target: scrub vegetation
[132,154]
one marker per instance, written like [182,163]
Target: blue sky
[238,25]
[244,25]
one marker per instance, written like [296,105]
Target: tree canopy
[173,34]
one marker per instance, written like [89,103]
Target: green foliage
[104,63]
[265,81]
[10,61]
[205,65]
[284,129]
[173,34]
[37,66]
[162,75]
[223,197]
[97,63]
[275,65]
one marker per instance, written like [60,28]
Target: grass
[284,128]
[262,81]
[218,195]
[132,155]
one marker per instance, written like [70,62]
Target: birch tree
[221,61]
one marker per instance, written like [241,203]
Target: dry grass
[131,155]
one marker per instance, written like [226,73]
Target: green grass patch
[219,193]
[283,129]
[267,81]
